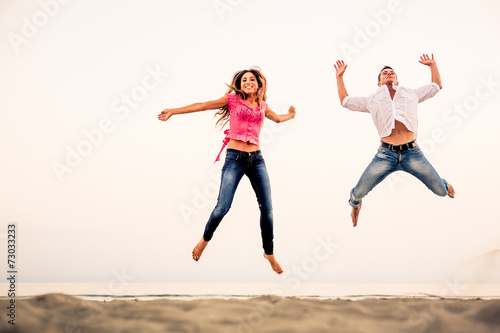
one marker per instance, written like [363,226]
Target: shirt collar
[394,86]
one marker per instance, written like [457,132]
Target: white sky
[120,206]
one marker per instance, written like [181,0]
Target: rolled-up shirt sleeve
[427,91]
[356,103]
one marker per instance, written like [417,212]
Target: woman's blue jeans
[387,161]
[237,164]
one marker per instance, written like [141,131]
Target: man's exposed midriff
[399,134]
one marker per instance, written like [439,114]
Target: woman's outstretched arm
[278,118]
[340,68]
[196,107]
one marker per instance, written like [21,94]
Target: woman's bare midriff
[399,135]
[243,146]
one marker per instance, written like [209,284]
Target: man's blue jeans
[387,161]
[237,164]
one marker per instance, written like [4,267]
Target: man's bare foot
[355,214]
[451,191]
[198,249]
[274,264]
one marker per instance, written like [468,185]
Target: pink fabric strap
[225,142]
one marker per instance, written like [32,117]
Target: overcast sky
[96,184]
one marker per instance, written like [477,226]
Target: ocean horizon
[149,291]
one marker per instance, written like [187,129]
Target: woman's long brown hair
[236,87]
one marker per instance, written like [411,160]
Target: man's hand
[435,77]
[424,59]
[340,67]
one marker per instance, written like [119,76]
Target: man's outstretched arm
[340,67]
[435,77]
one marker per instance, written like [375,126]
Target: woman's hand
[165,115]
[196,107]
[279,118]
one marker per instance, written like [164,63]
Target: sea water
[146,291]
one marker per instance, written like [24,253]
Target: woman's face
[249,83]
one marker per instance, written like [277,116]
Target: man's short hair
[385,67]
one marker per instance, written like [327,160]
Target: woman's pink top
[245,121]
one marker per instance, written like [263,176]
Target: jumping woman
[244,107]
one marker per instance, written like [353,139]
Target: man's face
[387,76]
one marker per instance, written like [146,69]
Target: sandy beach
[63,313]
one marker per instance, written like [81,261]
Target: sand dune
[55,313]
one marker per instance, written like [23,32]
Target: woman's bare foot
[198,249]
[274,264]
[451,191]
[355,214]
